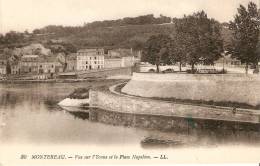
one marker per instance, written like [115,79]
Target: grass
[197,102]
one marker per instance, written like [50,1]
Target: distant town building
[89,59]
[46,65]
[29,64]
[120,52]
[72,62]
[113,62]
[119,58]
[3,60]
[49,65]
[2,69]
[119,62]
[15,68]
[128,61]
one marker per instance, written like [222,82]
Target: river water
[29,114]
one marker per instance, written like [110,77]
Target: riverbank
[80,96]
[50,81]
[120,109]
[234,90]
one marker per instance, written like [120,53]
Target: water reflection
[29,114]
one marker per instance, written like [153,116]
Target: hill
[123,33]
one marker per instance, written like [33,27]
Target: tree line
[198,39]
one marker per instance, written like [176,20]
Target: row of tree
[198,39]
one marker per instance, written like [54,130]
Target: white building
[90,59]
[2,69]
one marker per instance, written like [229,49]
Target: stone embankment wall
[148,113]
[188,125]
[237,88]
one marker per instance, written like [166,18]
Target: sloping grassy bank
[233,105]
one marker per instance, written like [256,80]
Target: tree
[246,35]
[66,48]
[177,50]
[199,38]
[156,50]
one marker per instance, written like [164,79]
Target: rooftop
[90,50]
[30,56]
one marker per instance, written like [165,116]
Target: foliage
[199,38]
[156,50]
[245,29]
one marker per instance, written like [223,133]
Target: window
[95,57]
[86,62]
[95,62]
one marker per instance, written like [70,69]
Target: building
[90,59]
[128,61]
[29,64]
[49,65]
[15,68]
[71,62]
[2,69]
[113,62]
[119,53]
[119,62]
[119,58]
[46,66]
[3,65]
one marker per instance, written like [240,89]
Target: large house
[71,62]
[33,64]
[2,69]
[29,64]
[119,58]
[15,68]
[3,64]
[89,59]
[119,62]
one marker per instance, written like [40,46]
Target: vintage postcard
[129,82]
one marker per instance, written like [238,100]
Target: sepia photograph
[129,82]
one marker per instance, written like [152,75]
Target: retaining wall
[148,113]
[239,88]
[188,125]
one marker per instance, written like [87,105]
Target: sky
[21,15]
